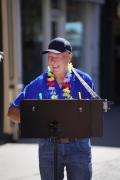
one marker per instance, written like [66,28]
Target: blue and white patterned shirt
[38,89]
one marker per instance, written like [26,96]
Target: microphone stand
[54,128]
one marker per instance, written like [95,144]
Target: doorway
[110,51]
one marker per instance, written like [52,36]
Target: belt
[64,140]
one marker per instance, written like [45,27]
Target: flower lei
[66,84]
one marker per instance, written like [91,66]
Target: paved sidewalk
[20,162]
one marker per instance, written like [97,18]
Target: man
[59,82]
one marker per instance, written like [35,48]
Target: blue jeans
[75,156]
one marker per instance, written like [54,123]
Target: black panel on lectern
[76,118]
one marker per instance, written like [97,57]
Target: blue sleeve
[31,91]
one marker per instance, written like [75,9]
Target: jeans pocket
[84,145]
[42,143]
[45,146]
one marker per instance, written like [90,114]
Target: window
[74,31]
[31,39]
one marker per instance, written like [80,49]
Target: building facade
[28,26]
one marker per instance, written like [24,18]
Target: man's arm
[14,114]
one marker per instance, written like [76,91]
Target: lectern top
[75,118]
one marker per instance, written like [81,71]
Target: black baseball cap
[58,45]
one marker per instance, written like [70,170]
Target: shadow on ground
[111,129]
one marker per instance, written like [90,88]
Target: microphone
[107,105]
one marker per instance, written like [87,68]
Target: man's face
[59,62]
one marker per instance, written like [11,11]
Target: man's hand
[14,114]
